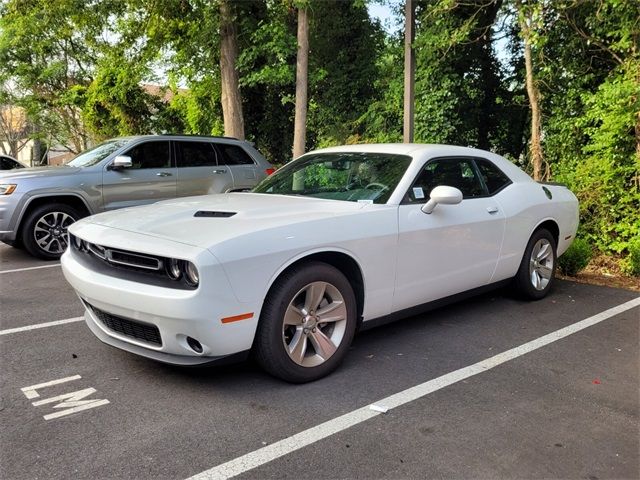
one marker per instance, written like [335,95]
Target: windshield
[353,177]
[98,153]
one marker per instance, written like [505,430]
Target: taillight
[269,171]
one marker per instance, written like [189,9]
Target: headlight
[77,242]
[7,188]
[191,273]
[173,269]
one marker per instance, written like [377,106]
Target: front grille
[133,260]
[131,328]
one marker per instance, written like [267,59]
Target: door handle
[163,174]
[219,170]
[492,210]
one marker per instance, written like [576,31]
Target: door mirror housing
[120,162]
[444,195]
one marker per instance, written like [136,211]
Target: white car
[338,239]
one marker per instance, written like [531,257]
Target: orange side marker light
[237,318]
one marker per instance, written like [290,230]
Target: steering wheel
[379,186]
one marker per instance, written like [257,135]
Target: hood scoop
[213,214]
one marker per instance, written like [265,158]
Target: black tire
[56,215]
[531,281]
[271,349]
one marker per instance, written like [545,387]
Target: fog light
[191,273]
[194,344]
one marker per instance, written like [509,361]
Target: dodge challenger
[339,239]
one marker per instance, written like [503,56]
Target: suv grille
[131,328]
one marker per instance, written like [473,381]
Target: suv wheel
[44,232]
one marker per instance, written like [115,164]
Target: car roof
[172,136]
[413,149]
[417,150]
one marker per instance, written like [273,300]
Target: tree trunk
[302,66]
[535,146]
[36,153]
[230,92]
[409,72]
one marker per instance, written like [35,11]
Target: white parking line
[40,325]
[29,268]
[300,440]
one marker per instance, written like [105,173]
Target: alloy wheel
[541,264]
[314,324]
[50,232]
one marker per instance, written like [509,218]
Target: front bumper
[182,360]
[9,213]
[177,314]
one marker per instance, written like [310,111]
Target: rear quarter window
[494,178]
[234,155]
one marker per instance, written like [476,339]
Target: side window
[196,154]
[150,155]
[493,177]
[452,172]
[234,155]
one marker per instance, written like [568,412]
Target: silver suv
[37,205]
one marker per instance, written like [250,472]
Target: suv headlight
[7,188]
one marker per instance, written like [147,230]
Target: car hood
[222,217]
[37,172]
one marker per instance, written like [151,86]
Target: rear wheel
[307,323]
[536,274]
[44,232]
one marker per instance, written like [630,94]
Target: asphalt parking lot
[492,387]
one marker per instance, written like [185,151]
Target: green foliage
[115,104]
[48,52]
[576,257]
[591,140]
[342,80]
[606,179]
[382,121]
[632,264]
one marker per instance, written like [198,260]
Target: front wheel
[307,323]
[44,233]
[537,269]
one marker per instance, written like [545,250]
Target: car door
[456,247]
[151,177]
[242,166]
[199,170]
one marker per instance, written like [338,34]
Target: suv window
[8,164]
[452,172]
[150,155]
[196,154]
[493,177]
[234,155]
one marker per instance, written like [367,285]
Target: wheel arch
[342,261]
[551,225]
[73,200]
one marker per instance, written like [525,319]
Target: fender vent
[207,213]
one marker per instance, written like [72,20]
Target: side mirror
[120,162]
[442,194]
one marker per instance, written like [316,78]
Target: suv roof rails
[200,136]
